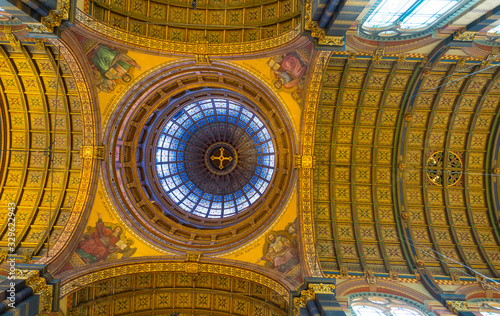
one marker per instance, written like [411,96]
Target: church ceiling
[212,21]
[186,294]
[391,169]
[44,114]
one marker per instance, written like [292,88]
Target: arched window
[405,18]
[490,309]
[368,304]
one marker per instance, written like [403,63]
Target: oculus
[436,164]
[215,158]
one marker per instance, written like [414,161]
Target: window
[403,18]
[181,156]
[490,309]
[374,305]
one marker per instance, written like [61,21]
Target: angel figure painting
[103,242]
[281,251]
[111,66]
[288,72]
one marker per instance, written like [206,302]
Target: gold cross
[221,158]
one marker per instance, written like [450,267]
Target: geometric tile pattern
[38,113]
[213,21]
[364,189]
[186,294]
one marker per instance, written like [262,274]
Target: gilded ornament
[408,117]
[457,306]
[344,272]
[420,263]
[318,32]
[405,215]
[463,35]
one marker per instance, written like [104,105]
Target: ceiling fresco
[383,171]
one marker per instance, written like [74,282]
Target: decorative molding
[464,36]
[306,179]
[457,306]
[39,286]
[53,19]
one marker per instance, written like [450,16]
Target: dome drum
[166,202]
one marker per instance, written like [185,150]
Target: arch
[368,304]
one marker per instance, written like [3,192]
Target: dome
[215,158]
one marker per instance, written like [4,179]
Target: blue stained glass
[495,30]
[254,180]
[243,206]
[258,170]
[184,189]
[182,119]
[216,205]
[387,12]
[244,118]
[209,112]
[187,123]
[241,124]
[172,142]
[173,168]
[177,180]
[193,197]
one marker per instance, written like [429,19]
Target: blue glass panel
[184,177]
[254,126]
[221,118]
[180,156]
[193,128]
[229,211]
[177,180]
[187,124]
[209,112]
[197,116]
[216,205]
[265,147]
[180,167]
[173,168]
[207,196]
[201,122]
[246,188]
[193,197]
[249,131]
[263,187]
[218,198]
[211,119]
[233,106]
[255,139]
[428,12]
[198,192]
[238,194]
[182,119]
[233,113]
[179,133]
[188,204]
[186,136]
[241,124]
[266,160]
[200,211]
[259,160]
[228,197]
[176,195]
[494,31]
[176,116]
[174,144]
[229,204]
[259,149]
[241,200]
[243,206]
[221,111]
[190,185]
[184,189]
[254,198]
[244,118]
[231,120]
[182,146]
[254,180]
[258,170]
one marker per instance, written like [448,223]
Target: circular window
[215,158]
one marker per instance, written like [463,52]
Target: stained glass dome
[215,158]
